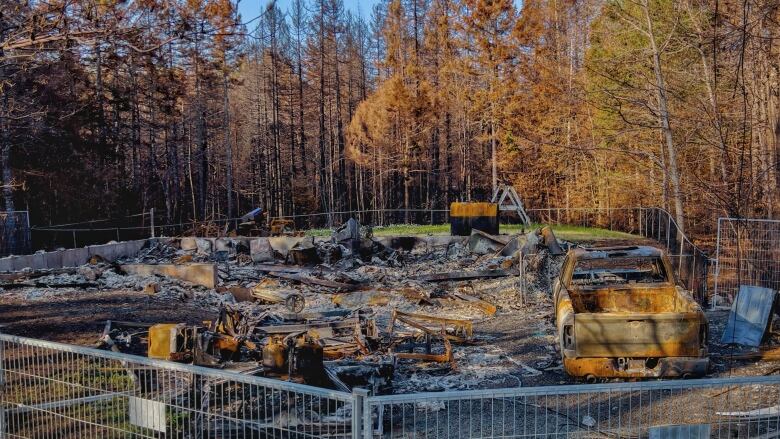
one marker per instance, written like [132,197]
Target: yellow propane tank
[275,354]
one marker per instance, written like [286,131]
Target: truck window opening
[618,271]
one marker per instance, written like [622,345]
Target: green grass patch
[569,233]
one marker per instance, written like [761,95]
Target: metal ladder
[509,201]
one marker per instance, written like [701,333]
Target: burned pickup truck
[620,313]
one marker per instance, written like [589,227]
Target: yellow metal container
[467,216]
[163,340]
[473,209]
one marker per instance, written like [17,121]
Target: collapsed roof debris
[393,314]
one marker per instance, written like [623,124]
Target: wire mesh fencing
[748,253]
[691,264]
[723,408]
[50,390]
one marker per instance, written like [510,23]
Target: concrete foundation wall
[260,248]
[72,257]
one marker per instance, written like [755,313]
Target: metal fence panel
[50,390]
[748,253]
[737,408]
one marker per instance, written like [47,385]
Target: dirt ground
[78,316]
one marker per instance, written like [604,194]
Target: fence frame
[379,403]
[159,366]
[741,224]
[367,411]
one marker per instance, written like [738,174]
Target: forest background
[109,108]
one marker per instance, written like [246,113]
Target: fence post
[368,429]
[692,275]
[639,220]
[717,267]
[3,425]
[358,397]
[151,215]
[522,278]
[28,235]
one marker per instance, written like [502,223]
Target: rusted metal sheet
[455,329]
[637,335]
[483,243]
[468,217]
[749,316]
[198,273]
[621,367]
[542,238]
[305,253]
[548,237]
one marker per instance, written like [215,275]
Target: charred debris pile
[393,315]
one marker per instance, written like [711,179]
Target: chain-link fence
[748,253]
[142,226]
[51,390]
[691,264]
[15,233]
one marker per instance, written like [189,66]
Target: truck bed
[636,298]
